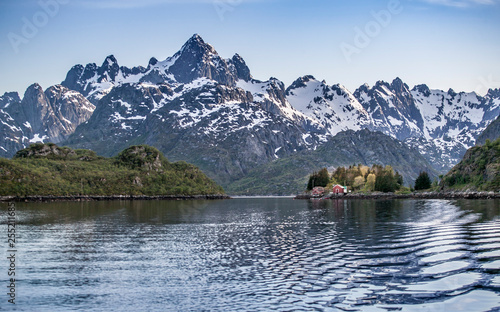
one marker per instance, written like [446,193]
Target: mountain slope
[392,109]
[479,169]
[289,175]
[334,107]
[219,128]
[492,132]
[40,116]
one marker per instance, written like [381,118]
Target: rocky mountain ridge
[200,107]
[441,125]
[50,116]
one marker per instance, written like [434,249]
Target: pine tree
[312,181]
[323,177]
[423,181]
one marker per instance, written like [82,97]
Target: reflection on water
[258,255]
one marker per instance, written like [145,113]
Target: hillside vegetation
[289,175]
[46,169]
[478,170]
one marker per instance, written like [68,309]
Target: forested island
[50,170]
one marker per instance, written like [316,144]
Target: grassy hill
[478,170]
[46,169]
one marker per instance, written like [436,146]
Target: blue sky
[443,43]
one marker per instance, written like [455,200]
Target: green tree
[386,181]
[340,175]
[399,179]
[370,182]
[312,181]
[359,182]
[321,178]
[423,181]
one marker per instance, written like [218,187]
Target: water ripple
[262,255]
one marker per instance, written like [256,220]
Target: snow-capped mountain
[452,122]
[392,109]
[12,136]
[225,130]
[333,107]
[441,125]
[40,116]
[196,59]
[202,108]
[199,107]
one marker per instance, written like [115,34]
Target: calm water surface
[256,255]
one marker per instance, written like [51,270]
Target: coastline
[426,195]
[109,198]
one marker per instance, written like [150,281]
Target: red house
[339,189]
[318,191]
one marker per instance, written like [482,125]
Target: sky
[442,43]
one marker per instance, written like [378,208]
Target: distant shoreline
[428,195]
[109,198]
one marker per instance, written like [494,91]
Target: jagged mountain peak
[423,89]
[275,81]
[197,46]
[307,78]
[300,82]
[152,61]
[236,56]
[397,80]
[380,83]
[109,69]
[196,38]
[333,107]
[32,91]
[8,98]
[493,93]
[365,86]
[338,86]
[35,86]
[198,59]
[11,95]
[110,60]
[399,86]
[242,70]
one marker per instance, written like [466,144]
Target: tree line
[365,179]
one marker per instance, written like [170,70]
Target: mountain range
[210,111]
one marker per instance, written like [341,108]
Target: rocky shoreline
[425,195]
[109,198]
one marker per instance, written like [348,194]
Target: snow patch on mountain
[334,107]
[38,139]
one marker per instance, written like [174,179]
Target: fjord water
[256,255]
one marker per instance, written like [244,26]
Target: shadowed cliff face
[49,116]
[492,132]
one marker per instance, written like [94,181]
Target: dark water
[256,255]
